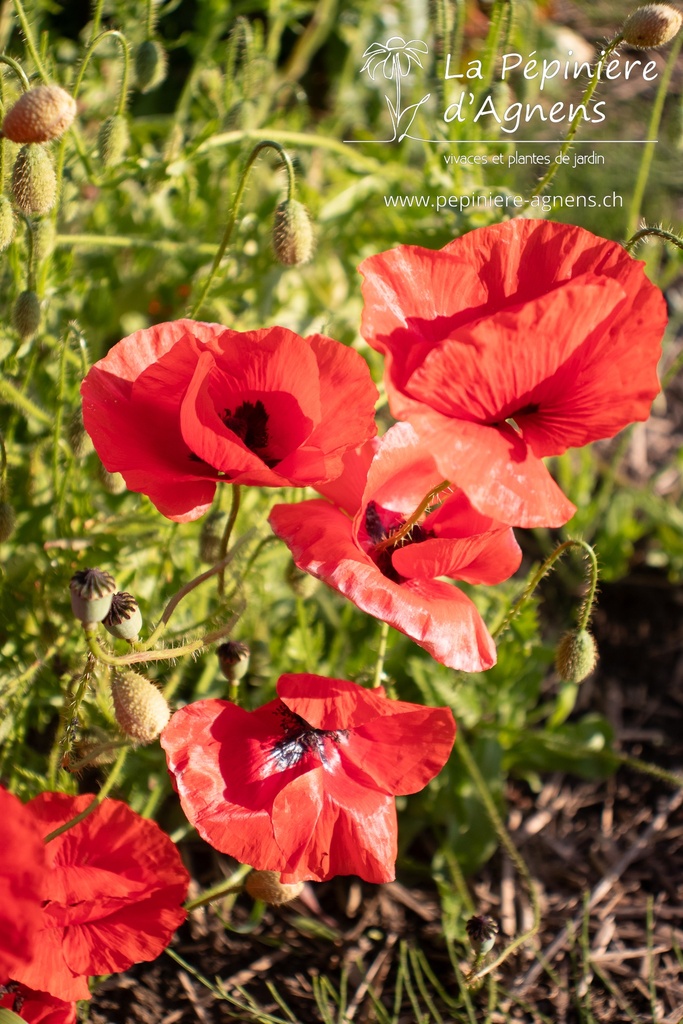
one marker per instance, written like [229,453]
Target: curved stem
[17,69]
[225,539]
[586,607]
[23,404]
[96,18]
[224,888]
[227,234]
[668,236]
[106,787]
[30,43]
[398,536]
[125,52]
[578,117]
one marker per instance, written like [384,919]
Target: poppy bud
[77,435]
[150,65]
[44,235]
[576,656]
[302,583]
[34,182]
[652,25]
[26,314]
[7,521]
[6,223]
[266,886]
[481,931]
[233,658]
[210,537]
[91,594]
[140,708]
[40,115]
[113,139]
[124,618]
[293,241]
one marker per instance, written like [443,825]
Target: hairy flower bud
[233,658]
[7,520]
[293,240]
[266,886]
[652,25]
[124,618]
[576,656]
[113,139]
[150,65]
[34,182]
[26,314]
[139,707]
[481,931]
[91,594]
[6,223]
[77,435]
[40,115]
[113,483]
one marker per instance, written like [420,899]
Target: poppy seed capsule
[140,709]
[124,618]
[91,594]
[266,886]
[6,223]
[651,26]
[26,314]
[481,931]
[150,65]
[233,658]
[113,139]
[34,182]
[40,115]
[293,241]
[576,656]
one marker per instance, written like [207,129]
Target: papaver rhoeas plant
[180,406]
[305,785]
[514,342]
[111,894]
[349,545]
[37,1007]
[22,864]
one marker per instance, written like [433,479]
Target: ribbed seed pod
[651,26]
[266,886]
[113,140]
[34,182]
[140,708]
[576,656]
[150,65]
[124,618]
[40,115]
[91,594]
[293,239]
[26,314]
[481,931]
[6,223]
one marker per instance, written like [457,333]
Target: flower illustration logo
[395,58]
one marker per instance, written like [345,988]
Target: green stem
[578,118]
[59,412]
[139,657]
[18,70]
[30,43]
[586,607]
[108,784]
[669,236]
[227,234]
[225,539]
[3,460]
[150,19]
[224,888]
[300,139]
[96,18]
[513,853]
[130,242]
[653,128]
[23,404]
[645,768]
[395,538]
[381,654]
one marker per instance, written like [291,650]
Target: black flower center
[377,533]
[300,739]
[250,423]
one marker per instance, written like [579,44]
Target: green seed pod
[7,521]
[113,140]
[481,931]
[266,886]
[293,240]
[651,26]
[210,537]
[39,115]
[233,658]
[124,619]
[302,583]
[91,594]
[26,314]
[77,436]
[576,656]
[34,182]
[140,709]
[150,65]
[6,223]
[44,236]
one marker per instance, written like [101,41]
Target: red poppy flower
[177,407]
[37,1007]
[305,785]
[22,864]
[398,584]
[514,342]
[111,894]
